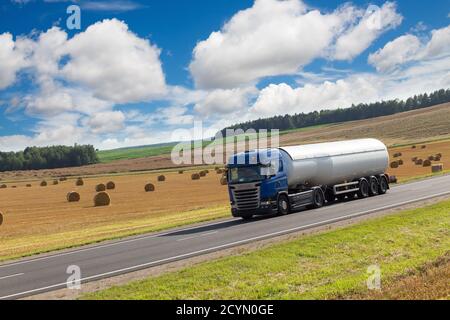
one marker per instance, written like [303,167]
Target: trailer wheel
[383,186]
[373,190]
[363,189]
[283,205]
[318,199]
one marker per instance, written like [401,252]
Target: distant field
[402,128]
[330,265]
[134,153]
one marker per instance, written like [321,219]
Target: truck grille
[247,199]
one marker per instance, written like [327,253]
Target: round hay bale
[1,218]
[439,155]
[392,179]
[102,199]
[43,183]
[202,174]
[206,171]
[180,172]
[100,187]
[73,196]
[161,178]
[427,163]
[223,181]
[414,147]
[414,159]
[219,171]
[437,158]
[398,154]
[28,185]
[149,187]
[423,147]
[394,164]
[79,182]
[55,182]
[195,176]
[111,185]
[419,162]
[14,187]
[400,162]
[3,186]
[437,167]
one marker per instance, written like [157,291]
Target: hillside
[429,124]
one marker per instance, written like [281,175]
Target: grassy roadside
[31,245]
[328,265]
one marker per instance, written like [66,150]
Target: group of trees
[355,112]
[34,158]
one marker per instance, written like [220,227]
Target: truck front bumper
[265,208]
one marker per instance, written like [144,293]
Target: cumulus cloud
[115,63]
[106,122]
[408,48]
[106,59]
[12,59]
[359,37]
[423,76]
[282,98]
[279,37]
[224,101]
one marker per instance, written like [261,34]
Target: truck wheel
[383,186]
[373,190]
[363,189]
[283,205]
[318,199]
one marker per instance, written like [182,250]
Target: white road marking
[12,276]
[198,236]
[168,233]
[227,245]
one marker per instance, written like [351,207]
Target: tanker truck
[287,179]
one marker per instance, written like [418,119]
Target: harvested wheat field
[40,219]
[410,169]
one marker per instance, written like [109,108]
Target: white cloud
[282,98]
[106,122]
[360,36]
[408,48]
[279,37]
[423,76]
[116,64]
[224,101]
[12,59]
[396,52]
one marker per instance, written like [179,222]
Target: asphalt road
[46,273]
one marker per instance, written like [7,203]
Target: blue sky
[161,65]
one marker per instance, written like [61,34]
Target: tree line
[34,158]
[355,112]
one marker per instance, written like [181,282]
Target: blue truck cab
[256,180]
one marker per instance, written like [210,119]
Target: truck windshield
[245,174]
